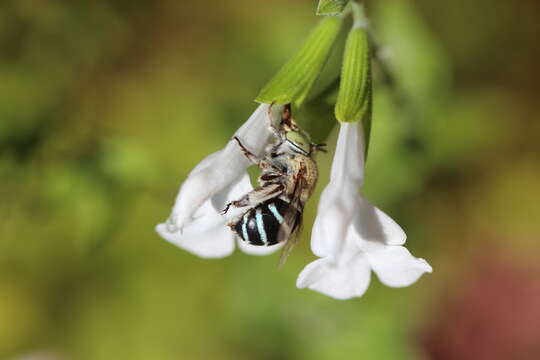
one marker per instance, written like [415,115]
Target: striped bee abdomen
[260,225]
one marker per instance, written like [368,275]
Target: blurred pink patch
[497,316]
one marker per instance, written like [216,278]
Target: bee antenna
[321,148]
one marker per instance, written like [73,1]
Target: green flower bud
[331,7]
[295,79]
[354,96]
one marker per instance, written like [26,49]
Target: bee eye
[298,142]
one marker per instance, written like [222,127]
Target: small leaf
[331,7]
[295,79]
[355,86]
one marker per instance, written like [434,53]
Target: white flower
[196,223]
[351,236]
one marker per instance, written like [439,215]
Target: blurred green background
[106,105]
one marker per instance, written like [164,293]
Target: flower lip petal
[206,238]
[199,187]
[341,281]
[373,225]
[396,267]
[394,234]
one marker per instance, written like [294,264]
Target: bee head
[297,140]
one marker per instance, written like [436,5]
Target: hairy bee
[288,178]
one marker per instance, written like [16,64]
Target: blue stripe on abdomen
[260,226]
[275,212]
[244,227]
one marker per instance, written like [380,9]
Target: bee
[287,180]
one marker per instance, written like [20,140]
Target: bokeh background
[106,105]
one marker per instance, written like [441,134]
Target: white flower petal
[330,228]
[201,186]
[258,250]
[219,170]
[348,162]
[255,133]
[393,233]
[194,191]
[207,237]
[338,199]
[341,281]
[373,225]
[396,267]
[233,192]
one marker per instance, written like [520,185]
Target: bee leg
[224,211]
[251,156]
[255,197]
[242,202]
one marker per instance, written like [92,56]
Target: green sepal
[295,79]
[355,86]
[366,118]
[331,7]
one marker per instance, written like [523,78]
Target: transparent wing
[292,219]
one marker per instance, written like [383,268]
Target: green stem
[359,16]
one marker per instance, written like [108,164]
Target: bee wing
[292,220]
